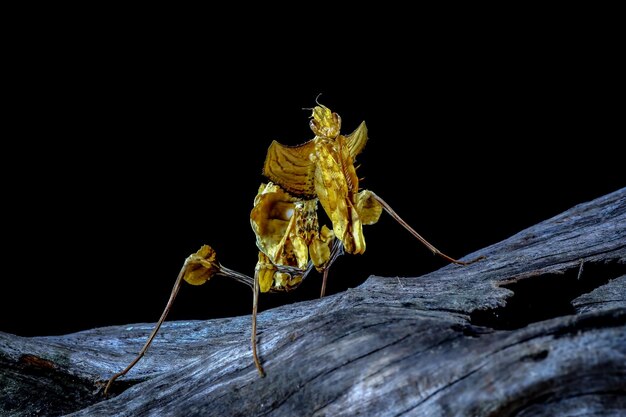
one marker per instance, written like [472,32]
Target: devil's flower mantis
[284,218]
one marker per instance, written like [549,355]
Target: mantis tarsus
[284,219]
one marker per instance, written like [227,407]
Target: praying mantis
[284,219]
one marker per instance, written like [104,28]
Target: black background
[124,160]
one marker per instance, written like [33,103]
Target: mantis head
[324,122]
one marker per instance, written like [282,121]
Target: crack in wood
[545,296]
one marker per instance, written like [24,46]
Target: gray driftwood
[536,329]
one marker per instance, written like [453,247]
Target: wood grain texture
[526,332]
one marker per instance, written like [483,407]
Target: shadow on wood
[536,329]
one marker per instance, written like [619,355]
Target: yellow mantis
[284,219]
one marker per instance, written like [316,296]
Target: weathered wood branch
[536,329]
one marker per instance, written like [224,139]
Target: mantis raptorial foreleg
[404,224]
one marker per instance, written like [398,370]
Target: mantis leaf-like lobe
[201,266]
[368,207]
[286,229]
[356,140]
[272,219]
[320,248]
[266,272]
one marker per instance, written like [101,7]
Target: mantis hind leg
[197,269]
[323,292]
[336,251]
[255,306]
[179,280]
[433,249]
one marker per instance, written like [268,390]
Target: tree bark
[538,328]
